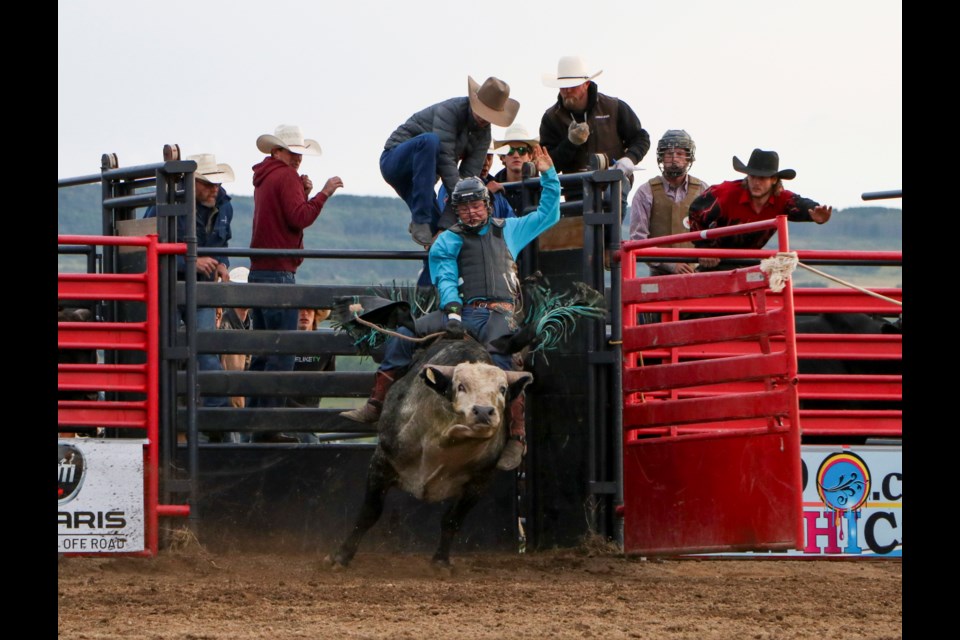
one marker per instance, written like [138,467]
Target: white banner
[852,502]
[100,501]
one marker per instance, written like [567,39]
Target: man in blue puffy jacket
[448,139]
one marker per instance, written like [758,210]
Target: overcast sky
[818,81]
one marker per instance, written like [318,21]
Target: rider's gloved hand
[454,325]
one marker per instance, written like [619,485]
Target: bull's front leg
[380,478]
[453,519]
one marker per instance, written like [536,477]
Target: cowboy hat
[289,137]
[571,71]
[516,133]
[491,101]
[763,164]
[209,171]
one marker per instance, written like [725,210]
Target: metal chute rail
[140,380]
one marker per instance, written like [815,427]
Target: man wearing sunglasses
[515,149]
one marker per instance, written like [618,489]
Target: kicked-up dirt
[588,592]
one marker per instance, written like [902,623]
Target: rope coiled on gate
[779,268]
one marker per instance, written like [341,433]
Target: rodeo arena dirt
[591,591]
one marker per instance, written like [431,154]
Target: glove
[454,327]
[578,133]
[626,165]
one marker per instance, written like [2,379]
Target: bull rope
[779,267]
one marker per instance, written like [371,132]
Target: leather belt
[506,307]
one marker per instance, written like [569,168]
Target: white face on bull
[477,393]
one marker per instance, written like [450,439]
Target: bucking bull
[440,434]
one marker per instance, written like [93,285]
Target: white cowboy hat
[571,71]
[289,137]
[516,133]
[491,101]
[209,171]
[239,274]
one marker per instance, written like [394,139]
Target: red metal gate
[705,469]
[128,378]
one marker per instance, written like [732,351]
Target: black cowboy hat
[764,164]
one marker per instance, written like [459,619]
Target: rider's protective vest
[488,270]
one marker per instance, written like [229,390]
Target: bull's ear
[437,377]
[517,381]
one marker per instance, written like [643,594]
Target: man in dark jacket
[435,140]
[585,122]
[282,209]
[213,218]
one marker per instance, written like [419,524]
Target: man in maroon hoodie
[282,209]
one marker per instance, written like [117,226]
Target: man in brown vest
[660,205]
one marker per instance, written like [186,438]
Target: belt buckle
[496,305]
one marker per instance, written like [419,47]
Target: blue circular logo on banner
[843,482]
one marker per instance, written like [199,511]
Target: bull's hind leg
[380,478]
[453,519]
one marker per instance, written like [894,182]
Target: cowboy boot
[370,412]
[516,443]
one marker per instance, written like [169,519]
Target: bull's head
[477,392]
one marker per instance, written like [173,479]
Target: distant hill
[380,223]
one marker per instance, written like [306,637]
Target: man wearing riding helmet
[474,271]
[660,205]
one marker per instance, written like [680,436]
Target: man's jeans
[207,321]
[482,324]
[411,169]
[272,319]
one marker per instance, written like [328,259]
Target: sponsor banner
[852,503]
[100,496]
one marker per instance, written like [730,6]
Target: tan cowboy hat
[763,164]
[491,101]
[289,137]
[209,171]
[516,133]
[571,71]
